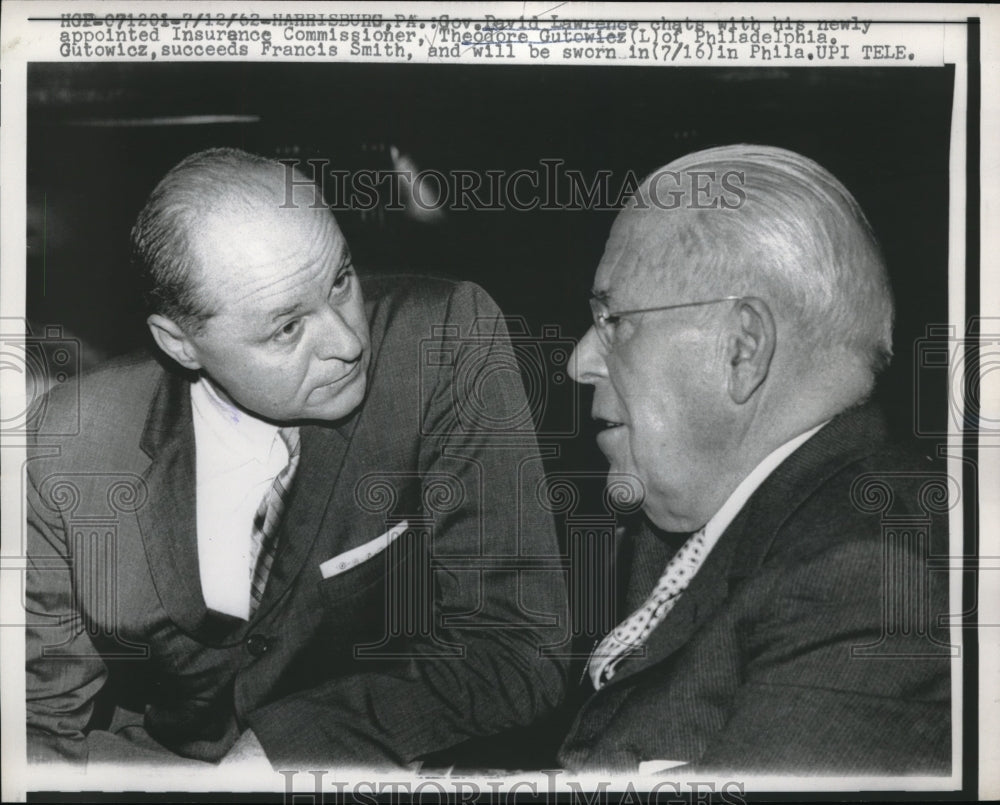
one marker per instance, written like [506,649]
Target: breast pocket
[384,567]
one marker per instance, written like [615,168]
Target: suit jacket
[429,642]
[809,641]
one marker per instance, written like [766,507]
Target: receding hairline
[204,187]
[221,189]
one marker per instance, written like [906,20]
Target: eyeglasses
[606,321]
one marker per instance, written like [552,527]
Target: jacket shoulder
[415,306]
[834,544]
[828,491]
[892,481]
[97,403]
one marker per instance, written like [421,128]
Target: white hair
[785,230]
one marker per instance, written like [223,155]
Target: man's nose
[586,364]
[337,338]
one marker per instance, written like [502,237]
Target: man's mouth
[348,375]
[607,424]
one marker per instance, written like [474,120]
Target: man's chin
[624,491]
[342,403]
[668,521]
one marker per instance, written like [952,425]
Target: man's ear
[750,348]
[173,341]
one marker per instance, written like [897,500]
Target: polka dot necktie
[630,635]
[265,522]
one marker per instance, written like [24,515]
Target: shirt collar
[720,521]
[245,435]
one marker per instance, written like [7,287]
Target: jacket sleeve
[64,669]
[64,672]
[498,594]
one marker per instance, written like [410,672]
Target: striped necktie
[628,638]
[265,522]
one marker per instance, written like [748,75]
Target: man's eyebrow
[345,260]
[285,311]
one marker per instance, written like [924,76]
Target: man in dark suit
[297,541]
[779,615]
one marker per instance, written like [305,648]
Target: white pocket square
[354,557]
[659,766]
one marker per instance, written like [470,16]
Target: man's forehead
[634,260]
[263,228]
[265,257]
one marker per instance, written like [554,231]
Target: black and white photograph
[570,402]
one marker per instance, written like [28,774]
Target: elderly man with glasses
[770,621]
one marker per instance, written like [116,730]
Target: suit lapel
[324,449]
[747,541]
[704,594]
[847,438]
[168,521]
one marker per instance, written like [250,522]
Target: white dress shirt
[237,459]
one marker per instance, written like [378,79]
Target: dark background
[101,135]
